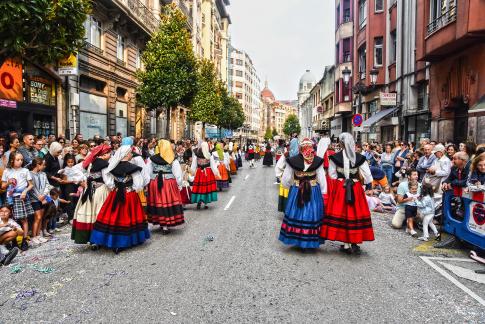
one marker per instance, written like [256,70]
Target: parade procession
[244,161]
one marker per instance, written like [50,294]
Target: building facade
[245,86]
[322,102]
[275,112]
[451,38]
[306,84]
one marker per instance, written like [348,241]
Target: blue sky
[284,38]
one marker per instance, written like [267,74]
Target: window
[392,51]
[138,62]
[239,84]
[92,29]
[239,62]
[442,12]
[239,73]
[238,95]
[337,53]
[347,17]
[337,92]
[362,62]
[379,5]
[378,51]
[347,50]
[362,13]
[337,18]
[120,48]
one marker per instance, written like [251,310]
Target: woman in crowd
[93,196]
[348,218]
[204,190]
[268,156]
[53,164]
[121,222]
[164,206]
[14,145]
[387,159]
[450,151]
[305,177]
[223,167]
[82,153]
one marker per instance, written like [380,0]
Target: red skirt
[186,194]
[204,182]
[164,206]
[344,222]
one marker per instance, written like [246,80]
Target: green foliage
[169,78]
[275,132]
[232,114]
[207,104]
[42,31]
[268,134]
[292,125]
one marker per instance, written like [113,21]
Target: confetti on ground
[45,270]
[16,268]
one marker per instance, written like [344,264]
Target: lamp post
[360,88]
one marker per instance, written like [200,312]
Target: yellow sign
[68,65]
[11,80]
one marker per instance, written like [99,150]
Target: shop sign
[40,90]
[68,65]
[388,99]
[8,103]
[11,80]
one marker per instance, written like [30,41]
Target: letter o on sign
[7,81]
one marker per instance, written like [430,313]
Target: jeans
[389,171]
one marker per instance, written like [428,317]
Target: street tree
[292,125]
[268,135]
[275,132]
[232,114]
[170,75]
[207,104]
[42,31]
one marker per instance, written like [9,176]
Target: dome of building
[267,93]
[307,80]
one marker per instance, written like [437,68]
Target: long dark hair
[11,159]
[427,190]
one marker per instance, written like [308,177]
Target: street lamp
[346,74]
[373,76]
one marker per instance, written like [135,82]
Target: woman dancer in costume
[94,194]
[268,156]
[121,222]
[165,206]
[305,177]
[232,159]
[348,218]
[204,189]
[222,166]
[251,154]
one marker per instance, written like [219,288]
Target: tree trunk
[167,127]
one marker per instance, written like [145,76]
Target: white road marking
[230,203]
[247,176]
[450,278]
[464,273]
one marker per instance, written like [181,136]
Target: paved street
[244,275]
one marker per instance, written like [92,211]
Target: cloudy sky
[284,38]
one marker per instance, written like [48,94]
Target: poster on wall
[40,91]
[11,80]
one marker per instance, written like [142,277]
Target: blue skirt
[301,226]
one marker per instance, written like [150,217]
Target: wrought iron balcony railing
[442,21]
[144,15]
[93,48]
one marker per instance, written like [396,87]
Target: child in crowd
[53,211]
[411,210]
[374,203]
[426,207]
[20,182]
[387,199]
[38,197]
[9,230]
[72,175]
[188,178]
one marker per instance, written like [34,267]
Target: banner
[11,80]
[68,65]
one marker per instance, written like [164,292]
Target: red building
[451,36]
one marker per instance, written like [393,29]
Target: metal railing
[441,21]
[93,48]
[144,15]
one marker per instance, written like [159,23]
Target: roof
[308,77]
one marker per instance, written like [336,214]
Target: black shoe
[165,231]
[345,250]
[117,251]
[438,237]
[94,247]
[24,246]
[356,249]
[10,256]
[206,207]
[198,205]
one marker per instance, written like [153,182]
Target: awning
[479,106]
[378,116]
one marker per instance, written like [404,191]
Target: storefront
[417,127]
[93,115]
[28,98]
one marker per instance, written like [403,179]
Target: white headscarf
[322,146]
[119,155]
[348,152]
[55,147]
[231,146]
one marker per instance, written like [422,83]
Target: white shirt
[22,175]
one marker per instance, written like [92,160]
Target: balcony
[93,48]
[442,21]
[141,13]
[186,12]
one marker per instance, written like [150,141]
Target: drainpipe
[401,83]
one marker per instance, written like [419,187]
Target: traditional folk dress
[223,167]
[232,159]
[280,151]
[283,191]
[121,222]
[268,156]
[165,206]
[348,217]
[90,203]
[204,189]
[305,209]
[186,192]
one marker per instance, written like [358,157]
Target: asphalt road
[244,275]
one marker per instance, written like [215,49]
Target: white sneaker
[34,242]
[412,232]
[41,239]
[422,238]
[57,230]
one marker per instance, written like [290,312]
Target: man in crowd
[457,180]
[426,161]
[399,217]
[440,170]
[27,149]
